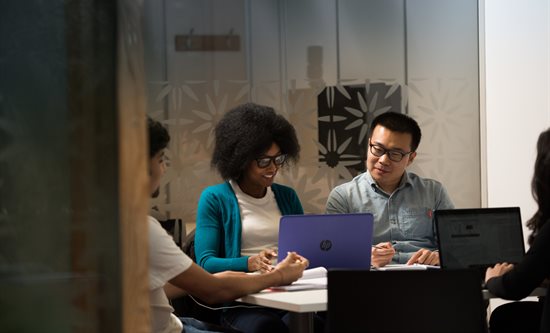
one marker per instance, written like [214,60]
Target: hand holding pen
[382,254]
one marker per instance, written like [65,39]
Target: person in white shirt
[173,273]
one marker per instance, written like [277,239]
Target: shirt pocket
[416,223]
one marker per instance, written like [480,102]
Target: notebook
[405,301]
[313,278]
[330,241]
[479,237]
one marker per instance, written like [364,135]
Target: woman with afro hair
[238,220]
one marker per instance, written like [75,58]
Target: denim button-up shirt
[404,217]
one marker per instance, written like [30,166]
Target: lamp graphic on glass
[314,70]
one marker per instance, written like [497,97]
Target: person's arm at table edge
[226,286]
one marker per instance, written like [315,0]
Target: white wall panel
[517,86]
[517,49]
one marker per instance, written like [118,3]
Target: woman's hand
[497,270]
[262,261]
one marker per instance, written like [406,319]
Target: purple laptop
[330,241]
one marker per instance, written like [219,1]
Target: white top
[260,221]
[166,261]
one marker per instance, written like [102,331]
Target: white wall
[517,80]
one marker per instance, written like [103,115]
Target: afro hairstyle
[245,133]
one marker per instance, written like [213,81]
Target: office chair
[176,228]
[185,306]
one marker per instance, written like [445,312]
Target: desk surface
[539,291]
[295,301]
[315,300]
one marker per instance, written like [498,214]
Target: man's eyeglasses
[264,162]
[393,155]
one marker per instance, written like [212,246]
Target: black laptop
[479,238]
[405,301]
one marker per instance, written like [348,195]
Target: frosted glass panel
[329,67]
[372,40]
[444,93]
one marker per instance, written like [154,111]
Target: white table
[301,305]
[539,291]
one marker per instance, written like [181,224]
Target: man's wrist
[282,277]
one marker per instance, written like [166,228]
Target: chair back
[185,306]
[405,301]
[176,228]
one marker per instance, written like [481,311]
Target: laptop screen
[328,240]
[479,237]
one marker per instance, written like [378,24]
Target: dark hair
[399,122]
[158,136]
[247,131]
[540,185]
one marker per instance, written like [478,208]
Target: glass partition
[329,67]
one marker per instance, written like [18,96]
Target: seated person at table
[516,282]
[238,220]
[174,273]
[402,202]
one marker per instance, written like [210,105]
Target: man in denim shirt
[402,202]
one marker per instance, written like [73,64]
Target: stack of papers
[314,278]
[405,267]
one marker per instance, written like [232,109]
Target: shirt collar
[404,181]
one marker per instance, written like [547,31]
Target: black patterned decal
[345,115]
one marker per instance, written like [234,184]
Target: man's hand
[292,268]
[262,261]
[382,254]
[424,256]
[497,270]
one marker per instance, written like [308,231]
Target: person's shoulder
[419,180]
[544,230]
[155,228]
[221,188]
[357,181]
[152,220]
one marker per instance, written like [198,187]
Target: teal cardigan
[218,231]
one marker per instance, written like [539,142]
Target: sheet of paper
[314,278]
[405,267]
[314,273]
[318,283]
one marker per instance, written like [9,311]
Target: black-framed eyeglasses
[393,155]
[264,162]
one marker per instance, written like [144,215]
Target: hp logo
[325,245]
